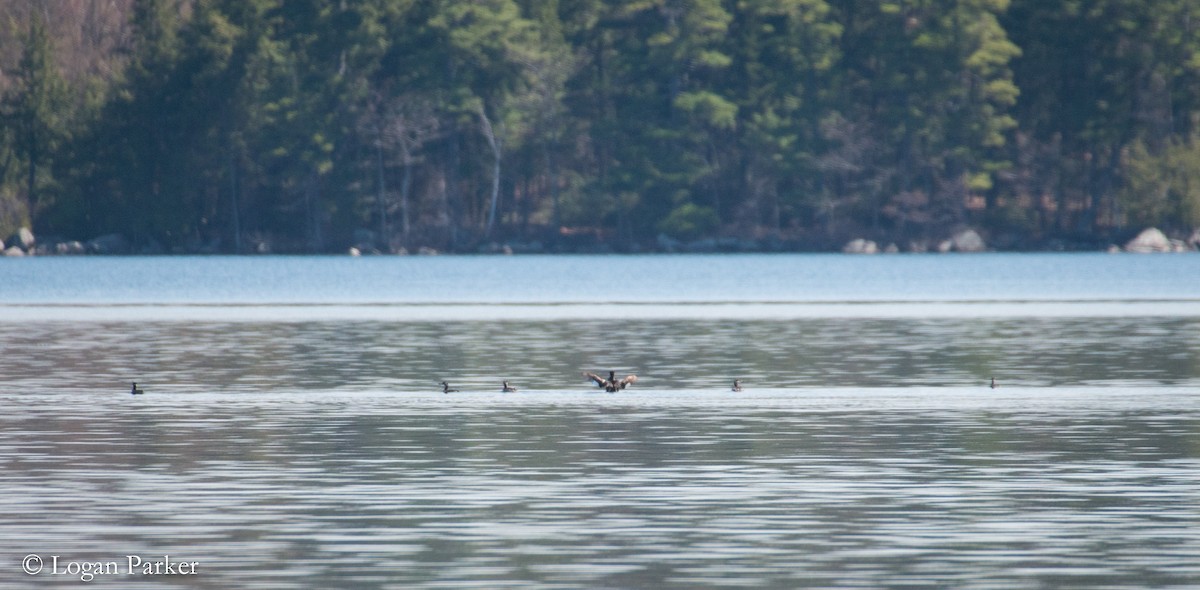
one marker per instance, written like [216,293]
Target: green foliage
[36,126]
[689,222]
[707,108]
[454,122]
[1163,189]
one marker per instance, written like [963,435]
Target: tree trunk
[234,205]
[494,143]
[552,173]
[450,206]
[34,156]
[312,202]
[405,183]
[381,197]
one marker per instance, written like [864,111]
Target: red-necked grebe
[611,384]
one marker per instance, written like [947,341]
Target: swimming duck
[133,389]
[611,384]
[446,387]
[994,383]
[507,388]
[737,385]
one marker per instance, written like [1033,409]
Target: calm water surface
[293,435]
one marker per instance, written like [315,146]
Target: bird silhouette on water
[446,387]
[133,389]
[611,384]
[737,385]
[507,388]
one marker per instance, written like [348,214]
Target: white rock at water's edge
[24,239]
[860,246]
[968,240]
[1150,240]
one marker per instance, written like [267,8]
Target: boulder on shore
[108,244]
[14,251]
[23,239]
[967,240]
[69,248]
[1193,240]
[1150,240]
[860,246]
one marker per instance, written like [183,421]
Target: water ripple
[848,487]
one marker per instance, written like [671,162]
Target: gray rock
[14,251]
[23,238]
[667,243]
[108,244]
[496,248]
[860,246]
[534,247]
[968,240]
[1150,240]
[69,248]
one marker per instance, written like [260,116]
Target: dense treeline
[311,125]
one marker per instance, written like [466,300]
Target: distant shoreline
[1149,240]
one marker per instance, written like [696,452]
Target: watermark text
[128,565]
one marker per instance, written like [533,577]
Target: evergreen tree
[932,77]
[453,123]
[784,53]
[36,122]
[1098,77]
[656,107]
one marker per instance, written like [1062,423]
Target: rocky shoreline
[966,240]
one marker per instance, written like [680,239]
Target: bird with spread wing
[612,383]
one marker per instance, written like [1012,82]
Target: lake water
[293,434]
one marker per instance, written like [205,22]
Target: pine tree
[35,109]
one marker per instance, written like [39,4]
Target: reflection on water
[949,487]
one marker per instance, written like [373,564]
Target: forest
[313,126]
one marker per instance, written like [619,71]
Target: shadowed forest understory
[242,126]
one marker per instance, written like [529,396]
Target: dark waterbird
[507,388]
[737,385]
[133,389]
[611,384]
[446,387]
